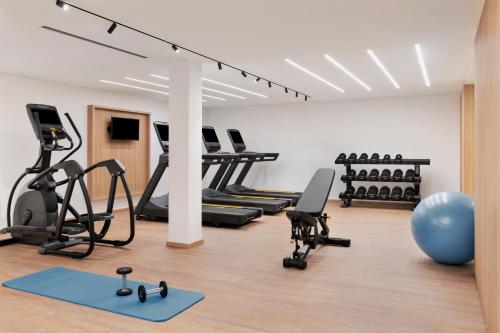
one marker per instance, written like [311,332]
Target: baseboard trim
[184,245]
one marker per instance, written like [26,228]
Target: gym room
[250,166]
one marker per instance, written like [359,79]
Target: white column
[185,118]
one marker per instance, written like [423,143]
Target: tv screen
[124,128]
[163,132]
[209,135]
[236,137]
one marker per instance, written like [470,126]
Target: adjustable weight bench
[307,215]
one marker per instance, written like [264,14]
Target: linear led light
[134,87]
[233,87]
[146,82]
[160,77]
[346,71]
[382,67]
[223,93]
[314,75]
[214,97]
[421,62]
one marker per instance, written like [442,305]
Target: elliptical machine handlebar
[79,145]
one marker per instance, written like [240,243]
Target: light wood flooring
[382,283]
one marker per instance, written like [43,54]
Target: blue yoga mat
[99,291]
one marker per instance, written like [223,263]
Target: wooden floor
[383,283]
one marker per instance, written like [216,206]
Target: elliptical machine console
[40,213]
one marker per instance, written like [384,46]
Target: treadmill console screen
[163,132]
[209,135]
[236,137]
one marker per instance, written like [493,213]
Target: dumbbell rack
[347,199]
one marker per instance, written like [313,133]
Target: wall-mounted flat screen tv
[124,128]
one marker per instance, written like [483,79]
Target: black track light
[269,84]
[219,65]
[175,48]
[305,98]
[286,90]
[296,94]
[243,73]
[62,4]
[257,79]
[112,28]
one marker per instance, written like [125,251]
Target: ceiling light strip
[233,87]
[382,67]
[421,62]
[223,93]
[93,41]
[214,97]
[159,77]
[146,82]
[134,87]
[346,71]
[314,75]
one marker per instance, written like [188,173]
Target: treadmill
[212,195]
[237,188]
[157,208]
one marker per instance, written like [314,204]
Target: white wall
[18,146]
[311,135]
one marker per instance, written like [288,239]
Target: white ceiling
[256,35]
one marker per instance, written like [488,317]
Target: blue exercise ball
[443,227]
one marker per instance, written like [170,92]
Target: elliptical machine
[37,218]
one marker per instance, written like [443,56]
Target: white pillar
[185,118]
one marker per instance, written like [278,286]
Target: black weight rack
[348,179]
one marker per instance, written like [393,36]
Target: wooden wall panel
[468,141]
[487,109]
[134,155]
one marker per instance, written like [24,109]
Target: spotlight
[62,4]
[269,84]
[257,79]
[296,94]
[243,73]
[112,28]
[175,48]
[286,90]
[219,65]
[305,98]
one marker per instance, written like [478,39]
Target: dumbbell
[385,175]
[363,157]
[398,157]
[142,292]
[362,175]
[397,193]
[375,157]
[373,174]
[124,290]
[351,174]
[410,175]
[372,192]
[387,158]
[348,192]
[361,192]
[352,158]
[384,193]
[397,175]
[340,159]
[409,193]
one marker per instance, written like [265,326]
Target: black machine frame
[61,235]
